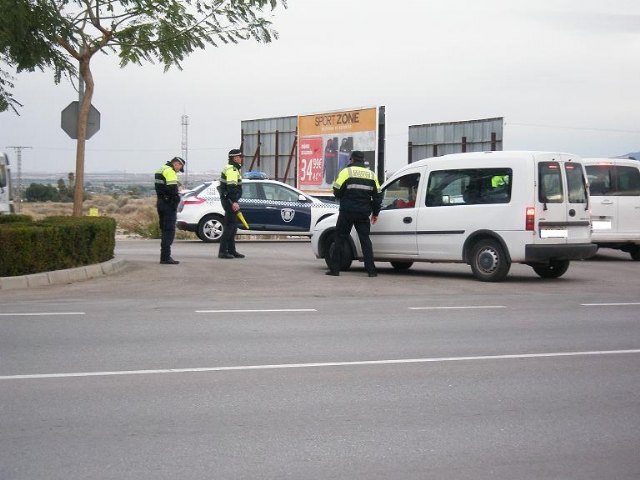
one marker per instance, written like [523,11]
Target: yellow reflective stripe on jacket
[231,175]
[170,175]
[355,172]
[166,175]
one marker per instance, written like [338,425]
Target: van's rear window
[550,183]
[576,183]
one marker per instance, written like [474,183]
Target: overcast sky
[564,74]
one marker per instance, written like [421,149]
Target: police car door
[394,234]
[252,205]
[284,211]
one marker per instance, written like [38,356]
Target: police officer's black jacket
[166,183]
[230,187]
[358,190]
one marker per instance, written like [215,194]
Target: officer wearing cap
[166,183]
[230,189]
[360,197]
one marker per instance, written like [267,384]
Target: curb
[59,277]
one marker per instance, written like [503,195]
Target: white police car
[270,208]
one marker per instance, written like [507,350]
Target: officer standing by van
[360,197]
[230,189]
[166,184]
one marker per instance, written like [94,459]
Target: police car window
[279,193]
[401,193]
[550,183]
[250,191]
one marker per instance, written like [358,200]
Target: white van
[614,185]
[486,209]
[6,198]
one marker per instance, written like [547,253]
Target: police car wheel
[553,269]
[210,228]
[489,262]
[635,253]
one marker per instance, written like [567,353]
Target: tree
[37,192]
[58,34]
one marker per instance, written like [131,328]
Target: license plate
[601,224]
[554,233]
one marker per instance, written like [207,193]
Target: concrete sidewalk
[59,277]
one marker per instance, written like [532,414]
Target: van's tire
[635,253]
[345,259]
[210,228]
[554,269]
[401,266]
[489,261]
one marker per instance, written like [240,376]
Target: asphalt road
[265,368]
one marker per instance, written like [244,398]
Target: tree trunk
[83,119]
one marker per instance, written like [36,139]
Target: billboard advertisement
[325,142]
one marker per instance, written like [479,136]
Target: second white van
[615,203]
[487,209]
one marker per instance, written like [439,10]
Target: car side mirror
[302,198]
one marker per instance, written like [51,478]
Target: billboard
[325,142]
[436,139]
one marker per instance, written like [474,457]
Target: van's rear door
[562,204]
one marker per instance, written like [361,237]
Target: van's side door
[627,181]
[394,234]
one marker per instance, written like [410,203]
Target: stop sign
[69,120]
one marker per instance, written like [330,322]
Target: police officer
[230,190]
[166,183]
[360,197]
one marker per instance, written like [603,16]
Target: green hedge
[15,218]
[54,243]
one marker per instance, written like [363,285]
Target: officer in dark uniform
[230,190]
[166,183]
[360,197]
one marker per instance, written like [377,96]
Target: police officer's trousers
[167,214]
[362,224]
[228,238]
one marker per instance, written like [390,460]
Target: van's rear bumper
[571,251]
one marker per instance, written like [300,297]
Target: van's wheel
[489,262]
[554,269]
[635,253]
[401,266]
[345,258]
[210,228]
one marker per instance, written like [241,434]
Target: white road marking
[608,304]
[457,308]
[39,314]
[283,310]
[318,365]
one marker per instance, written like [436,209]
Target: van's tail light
[530,218]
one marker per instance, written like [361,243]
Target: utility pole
[18,195]
[185,146]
